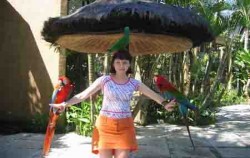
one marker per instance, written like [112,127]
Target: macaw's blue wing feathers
[122,43]
[53,98]
[183,110]
[181,99]
[188,104]
[168,96]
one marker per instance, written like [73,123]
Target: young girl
[114,132]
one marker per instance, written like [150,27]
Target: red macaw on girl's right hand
[61,93]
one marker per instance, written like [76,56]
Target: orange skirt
[110,133]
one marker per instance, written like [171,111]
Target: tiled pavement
[228,138]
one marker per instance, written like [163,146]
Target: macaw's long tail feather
[191,106]
[186,123]
[50,132]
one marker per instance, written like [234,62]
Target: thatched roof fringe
[111,16]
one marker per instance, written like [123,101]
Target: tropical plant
[184,3]
[242,13]
[242,65]
[79,117]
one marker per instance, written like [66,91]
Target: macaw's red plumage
[169,92]
[61,93]
[62,90]
[163,84]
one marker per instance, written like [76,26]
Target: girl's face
[121,65]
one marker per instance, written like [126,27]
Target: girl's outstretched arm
[156,97]
[92,89]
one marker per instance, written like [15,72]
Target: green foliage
[199,66]
[202,116]
[243,59]
[231,97]
[76,70]
[242,66]
[205,117]
[242,12]
[79,117]
[38,123]
[183,3]
[226,97]
[210,11]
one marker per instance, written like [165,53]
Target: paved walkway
[229,138]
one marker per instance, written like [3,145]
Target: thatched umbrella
[155,28]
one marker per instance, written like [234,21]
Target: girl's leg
[105,153]
[121,153]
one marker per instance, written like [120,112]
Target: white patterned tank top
[117,97]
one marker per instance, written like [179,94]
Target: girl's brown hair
[122,55]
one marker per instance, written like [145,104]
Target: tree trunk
[246,48]
[229,71]
[175,73]
[205,86]
[62,56]
[170,70]
[91,79]
[186,72]
[193,73]
[246,32]
[140,110]
[179,64]
[62,62]
[246,89]
[106,63]
[207,101]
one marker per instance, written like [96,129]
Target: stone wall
[29,66]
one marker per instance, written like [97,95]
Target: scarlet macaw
[170,92]
[61,93]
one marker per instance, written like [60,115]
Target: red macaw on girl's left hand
[169,92]
[61,93]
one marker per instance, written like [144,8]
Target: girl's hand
[170,106]
[61,106]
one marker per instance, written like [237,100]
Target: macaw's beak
[61,83]
[57,86]
[154,79]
